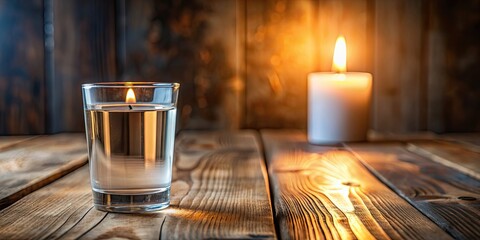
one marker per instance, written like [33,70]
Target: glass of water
[130,129]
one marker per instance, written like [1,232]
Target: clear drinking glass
[130,128]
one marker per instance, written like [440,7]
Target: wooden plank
[84,51]
[197,44]
[399,102]
[52,210]
[22,109]
[392,136]
[219,190]
[451,39]
[456,57]
[436,67]
[326,193]
[448,197]
[279,52]
[472,140]
[32,164]
[226,180]
[457,156]
[8,141]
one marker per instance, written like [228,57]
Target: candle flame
[130,96]
[340,55]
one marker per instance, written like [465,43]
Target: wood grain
[53,211]
[8,141]
[226,182]
[448,197]
[196,43]
[472,140]
[84,52]
[436,68]
[22,90]
[458,62]
[457,156]
[374,136]
[326,193]
[29,165]
[279,53]
[399,87]
[219,190]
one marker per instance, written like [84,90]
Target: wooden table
[249,184]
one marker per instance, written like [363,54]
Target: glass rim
[130,85]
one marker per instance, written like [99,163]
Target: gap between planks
[28,165]
[459,156]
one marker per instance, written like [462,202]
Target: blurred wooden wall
[242,64]
[22,83]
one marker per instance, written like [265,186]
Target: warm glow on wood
[130,96]
[340,55]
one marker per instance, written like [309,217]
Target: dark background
[241,64]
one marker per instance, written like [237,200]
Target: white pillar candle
[338,107]
[338,103]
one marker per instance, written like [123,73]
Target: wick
[130,106]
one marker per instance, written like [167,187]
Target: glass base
[131,203]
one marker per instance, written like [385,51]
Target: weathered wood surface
[7,141]
[52,210]
[471,140]
[326,193]
[219,190]
[454,155]
[29,165]
[224,180]
[448,197]
[374,136]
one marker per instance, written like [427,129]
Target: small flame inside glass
[130,98]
